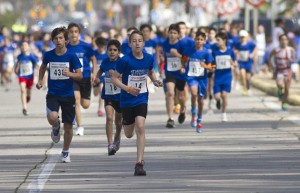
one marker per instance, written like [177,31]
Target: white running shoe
[65,157]
[224,117]
[80,131]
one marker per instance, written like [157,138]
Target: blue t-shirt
[84,52]
[109,91]
[150,47]
[210,45]
[187,43]
[27,65]
[172,63]
[100,57]
[125,48]
[193,68]
[58,84]
[134,73]
[222,60]
[244,52]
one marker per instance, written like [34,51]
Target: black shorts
[130,113]
[114,104]
[179,84]
[84,86]
[67,105]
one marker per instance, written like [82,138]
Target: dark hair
[115,43]
[74,25]
[100,41]
[143,26]
[223,36]
[199,33]
[136,32]
[212,29]
[132,28]
[59,30]
[174,27]
[278,21]
[282,35]
[181,23]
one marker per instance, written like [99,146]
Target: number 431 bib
[56,70]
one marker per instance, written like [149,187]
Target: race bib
[138,82]
[223,62]
[195,69]
[56,70]
[244,55]
[26,69]
[110,88]
[173,64]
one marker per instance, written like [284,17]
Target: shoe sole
[144,174]
[112,152]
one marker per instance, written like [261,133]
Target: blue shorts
[222,87]
[201,84]
[247,67]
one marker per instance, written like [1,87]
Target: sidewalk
[265,83]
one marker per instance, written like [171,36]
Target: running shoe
[25,112]
[199,127]
[284,106]
[65,157]
[55,133]
[245,93]
[177,109]
[218,104]
[224,117]
[100,113]
[80,131]
[117,144]
[112,149]
[280,94]
[181,116]
[139,169]
[194,121]
[170,124]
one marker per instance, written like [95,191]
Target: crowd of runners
[123,67]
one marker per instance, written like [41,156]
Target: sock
[199,118]
[194,110]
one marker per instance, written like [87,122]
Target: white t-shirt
[260,44]
[276,33]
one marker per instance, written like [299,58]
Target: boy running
[224,59]
[111,96]
[64,66]
[134,69]
[284,56]
[24,68]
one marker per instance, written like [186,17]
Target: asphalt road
[257,151]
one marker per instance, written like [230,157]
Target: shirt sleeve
[120,67]
[76,62]
[209,58]
[233,57]
[45,59]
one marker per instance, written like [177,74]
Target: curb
[271,89]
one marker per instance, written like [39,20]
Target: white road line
[38,184]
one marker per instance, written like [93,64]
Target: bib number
[110,88]
[173,64]
[244,56]
[195,69]
[223,62]
[56,70]
[138,82]
[26,69]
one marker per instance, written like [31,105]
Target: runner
[100,55]
[125,47]
[245,51]
[134,69]
[82,88]
[62,64]
[197,76]
[284,56]
[224,59]
[175,75]
[111,96]
[24,68]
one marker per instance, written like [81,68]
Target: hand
[182,70]
[174,52]
[66,72]
[39,85]
[134,91]
[96,81]
[93,77]
[157,83]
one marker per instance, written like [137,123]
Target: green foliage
[9,18]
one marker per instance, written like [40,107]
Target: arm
[17,67]
[94,62]
[153,78]
[270,58]
[77,75]
[115,79]
[97,78]
[42,71]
